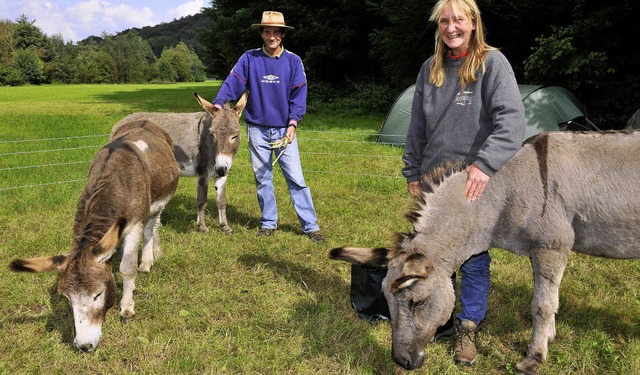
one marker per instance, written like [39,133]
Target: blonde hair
[478,48]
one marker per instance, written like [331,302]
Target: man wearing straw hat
[277,101]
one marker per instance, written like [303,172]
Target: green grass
[218,304]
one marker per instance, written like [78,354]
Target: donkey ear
[415,268]
[242,102]
[208,106]
[44,264]
[105,249]
[372,257]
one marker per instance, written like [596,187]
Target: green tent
[547,108]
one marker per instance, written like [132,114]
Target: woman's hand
[414,188]
[476,182]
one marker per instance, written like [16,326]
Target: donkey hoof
[528,366]
[202,228]
[226,229]
[144,268]
[127,316]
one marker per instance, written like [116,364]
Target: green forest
[28,56]
[361,53]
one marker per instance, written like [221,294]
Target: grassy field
[218,304]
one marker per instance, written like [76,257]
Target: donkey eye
[233,138]
[98,296]
[418,304]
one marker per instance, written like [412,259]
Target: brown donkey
[561,192]
[130,181]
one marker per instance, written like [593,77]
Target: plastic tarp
[547,108]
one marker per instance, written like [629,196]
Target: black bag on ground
[366,293]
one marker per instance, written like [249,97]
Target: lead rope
[283,143]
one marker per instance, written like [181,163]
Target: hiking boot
[446,330]
[265,232]
[465,352]
[316,236]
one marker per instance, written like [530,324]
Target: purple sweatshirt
[277,88]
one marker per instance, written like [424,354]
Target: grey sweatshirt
[484,124]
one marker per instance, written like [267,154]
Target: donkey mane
[93,231]
[398,239]
[441,173]
[90,226]
[431,181]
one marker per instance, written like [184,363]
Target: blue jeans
[474,287]
[262,156]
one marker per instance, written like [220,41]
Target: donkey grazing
[130,181]
[205,145]
[562,191]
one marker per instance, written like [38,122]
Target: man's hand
[291,133]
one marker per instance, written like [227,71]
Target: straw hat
[270,18]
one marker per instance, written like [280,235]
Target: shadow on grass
[324,325]
[321,323]
[181,215]
[61,317]
[514,299]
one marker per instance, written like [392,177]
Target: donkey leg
[129,270]
[548,268]
[150,243]
[203,187]
[221,201]
[157,249]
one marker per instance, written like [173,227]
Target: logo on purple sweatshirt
[270,79]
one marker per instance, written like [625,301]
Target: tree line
[587,46]
[27,55]
[360,53]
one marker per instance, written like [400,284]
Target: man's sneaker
[446,330]
[265,232]
[466,345]
[316,236]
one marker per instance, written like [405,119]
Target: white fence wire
[303,139]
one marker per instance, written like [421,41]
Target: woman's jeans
[474,287]
[262,156]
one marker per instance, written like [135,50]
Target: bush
[354,98]
[185,66]
[11,76]
[166,73]
[30,65]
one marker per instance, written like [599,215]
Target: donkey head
[419,295]
[87,281]
[225,131]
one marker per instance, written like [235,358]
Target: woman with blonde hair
[466,108]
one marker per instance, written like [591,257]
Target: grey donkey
[205,145]
[562,192]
